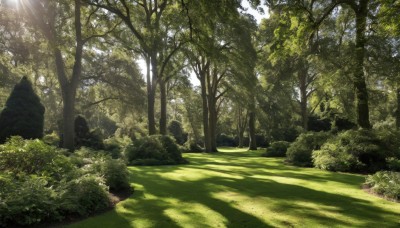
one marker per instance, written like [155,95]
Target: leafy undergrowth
[235,188]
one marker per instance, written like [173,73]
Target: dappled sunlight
[227,190]
[186,213]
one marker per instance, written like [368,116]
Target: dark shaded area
[23,113]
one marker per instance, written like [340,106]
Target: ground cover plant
[39,183]
[236,188]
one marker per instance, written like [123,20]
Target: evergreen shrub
[23,113]
[154,150]
[352,151]
[277,149]
[299,152]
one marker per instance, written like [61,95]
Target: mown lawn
[235,188]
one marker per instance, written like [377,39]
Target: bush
[385,183]
[85,195]
[192,146]
[38,183]
[52,139]
[154,150]
[85,137]
[114,171]
[393,164]
[277,149]
[317,124]
[262,141]
[175,129]
[352,151]
[226,140]
[299,152]
[23,113]
[21,156]
[27,201]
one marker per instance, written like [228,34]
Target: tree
[23,113]
[144,19]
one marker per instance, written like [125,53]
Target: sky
[248,9]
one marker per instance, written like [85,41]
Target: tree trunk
[151,86]
[163,101]
[207,139]
[359,77]
[212,125]
[68,127]
[252,131]
[303,97]
[397,113]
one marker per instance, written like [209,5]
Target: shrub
[85,137]
[38,183]
[23,113]
[343,124]
[226,140]
[21,156]
[385,183]
[114,171]
[85,195]
[192,146]
[393,164]
[318,124]
[52,139]
[154,150]
[262,141]
[277,149]
[27,201]
[175,129]
[352,151]
[299,152]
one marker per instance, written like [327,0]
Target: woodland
[180,113]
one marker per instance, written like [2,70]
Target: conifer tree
[23,113]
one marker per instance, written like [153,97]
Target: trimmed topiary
[23,113]
[154,150]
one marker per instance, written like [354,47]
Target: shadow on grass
[214,190]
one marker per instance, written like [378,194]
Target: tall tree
[54,20]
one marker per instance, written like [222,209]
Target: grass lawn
[235,188]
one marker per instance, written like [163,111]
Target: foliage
[40,184]
[226,140]
[277,149]
[33,157]
[385,183]
[52,139]
[318,124]
[262,141]
[176,130]
[27,200]
[85,137]
[299,152]
[352,151]
[84,195]
[113,171]
[154,150]
[192,146]
[393,164]
[23,113]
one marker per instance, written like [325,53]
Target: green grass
[235,188]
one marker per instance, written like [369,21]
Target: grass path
[235,188]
